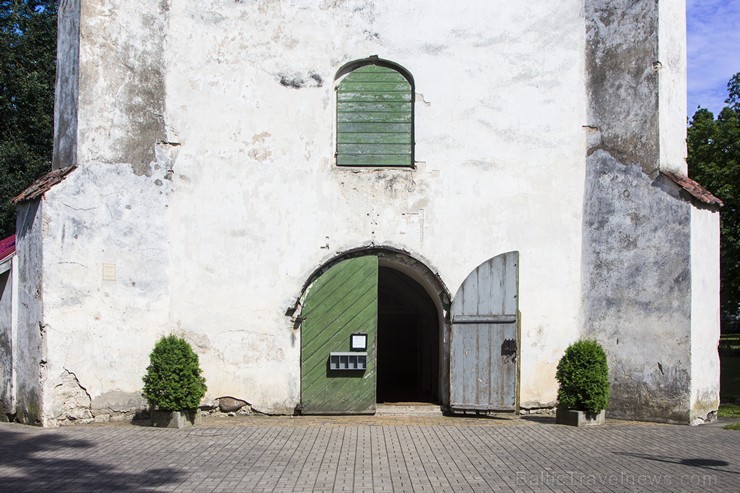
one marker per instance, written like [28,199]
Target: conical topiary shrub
[583,376]
[173,380]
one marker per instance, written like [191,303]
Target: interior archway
[408,340]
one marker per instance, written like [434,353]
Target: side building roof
[693,188]
[7,249]
[39,187]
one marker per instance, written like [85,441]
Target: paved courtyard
[364,454]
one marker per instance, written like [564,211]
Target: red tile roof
[43,184]
[697,191]
[7,247]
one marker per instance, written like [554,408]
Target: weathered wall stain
[68,67]
[7,305]
[31,344]
[621,46]
[116,404]
[297,81]
[635,291]
[636,235]
[130,79]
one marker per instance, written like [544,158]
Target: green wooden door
[343,301]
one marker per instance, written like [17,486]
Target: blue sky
[713,51]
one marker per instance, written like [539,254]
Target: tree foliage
[714,161]
[173,380]
[28,32]
[583,376]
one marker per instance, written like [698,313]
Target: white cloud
[713,50]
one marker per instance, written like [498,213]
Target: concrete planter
[572,417]
[175,419]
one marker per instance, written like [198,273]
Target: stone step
[408,409]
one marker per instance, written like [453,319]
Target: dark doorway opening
[407,340]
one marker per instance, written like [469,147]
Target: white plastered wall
[243,202]
[671,65]
[705,324]
[106,288]
[499,145]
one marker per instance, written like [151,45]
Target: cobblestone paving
[371,454]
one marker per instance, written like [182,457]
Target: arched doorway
[397,303]
[408,340]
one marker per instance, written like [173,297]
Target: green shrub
[173,380]
[583,376]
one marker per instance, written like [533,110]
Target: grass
[729,411]
[729,360]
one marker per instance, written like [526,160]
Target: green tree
[173,380]
[28,32]
[714,161]
[583,377]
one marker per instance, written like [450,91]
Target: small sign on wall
[109,272]
[358,342]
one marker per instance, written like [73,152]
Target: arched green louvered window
[375,118]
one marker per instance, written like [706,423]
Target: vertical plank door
[484,342]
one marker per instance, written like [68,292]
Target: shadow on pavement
[49,461]
[542,419]
[711,464]
[481,416]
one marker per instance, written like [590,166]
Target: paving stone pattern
[371,454]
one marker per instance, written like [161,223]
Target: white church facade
[340,203]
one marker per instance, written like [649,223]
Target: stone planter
[572,417]
[175,419]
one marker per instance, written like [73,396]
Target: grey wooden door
[484,343]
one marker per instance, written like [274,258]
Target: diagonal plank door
[484,343]
[343,301]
